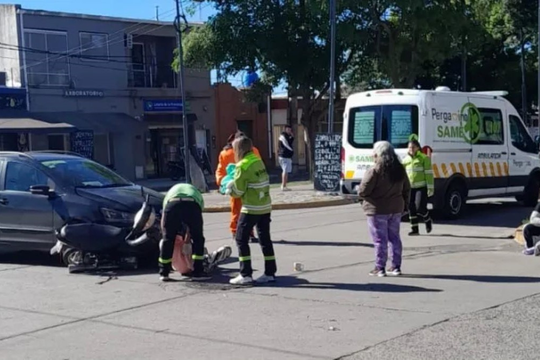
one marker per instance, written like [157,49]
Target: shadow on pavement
[294,282]
[220,281]
[31,258]
[507,214]
[479,278]
[322,243]
[471,236]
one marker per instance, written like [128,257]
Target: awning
[24,121]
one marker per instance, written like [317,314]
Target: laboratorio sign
[84,93]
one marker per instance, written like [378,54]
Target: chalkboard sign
[327,162]
[82,143]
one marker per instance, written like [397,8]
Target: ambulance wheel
[454,201]
[531,192]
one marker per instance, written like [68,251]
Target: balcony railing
[149,76]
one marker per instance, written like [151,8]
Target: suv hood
[125,198]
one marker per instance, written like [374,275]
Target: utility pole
[538,96]
[157,13]
[332,66]
[464,64]
[185,126]
[523,81]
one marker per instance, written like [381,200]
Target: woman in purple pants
[385,191]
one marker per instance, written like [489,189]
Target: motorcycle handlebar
[138,241]
[150,234]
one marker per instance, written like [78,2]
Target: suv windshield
[84,173]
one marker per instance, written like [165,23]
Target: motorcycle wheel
[72,256]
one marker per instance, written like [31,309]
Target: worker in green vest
[183,205]
[251,184]
[418,167]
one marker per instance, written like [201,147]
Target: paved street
[468,294]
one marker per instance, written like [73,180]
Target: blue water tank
[250,78]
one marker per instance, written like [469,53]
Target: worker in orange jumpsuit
[226,157]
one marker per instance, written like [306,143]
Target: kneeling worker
[183,205]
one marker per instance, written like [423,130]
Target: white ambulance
[478,144]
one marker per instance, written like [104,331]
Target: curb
[288,206]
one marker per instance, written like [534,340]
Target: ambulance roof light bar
[491,93]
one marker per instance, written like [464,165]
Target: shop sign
[163,105]
[84,93]
[12,98]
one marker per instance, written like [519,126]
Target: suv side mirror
[43,190]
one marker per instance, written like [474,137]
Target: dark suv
[39,190]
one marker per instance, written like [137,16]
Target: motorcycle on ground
[88,247]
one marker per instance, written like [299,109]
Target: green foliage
[380,43]
[405,34]
[258,92]
[286,40]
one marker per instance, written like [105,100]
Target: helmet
[145,218]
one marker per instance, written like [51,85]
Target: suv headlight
[117,216]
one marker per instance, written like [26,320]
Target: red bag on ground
[181,260]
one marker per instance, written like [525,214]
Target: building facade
[234,113]
[108,78]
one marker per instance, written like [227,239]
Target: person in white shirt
[285,152]
[531,233]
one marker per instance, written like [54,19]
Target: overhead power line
[111,40]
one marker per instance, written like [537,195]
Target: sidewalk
[164,184]
[300,197]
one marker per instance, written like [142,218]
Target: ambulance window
[363,126]
[491,127]
[520,136]
[399,122]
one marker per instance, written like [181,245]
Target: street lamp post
[332,66]
[182,93]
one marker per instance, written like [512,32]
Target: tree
[286,40]
[405,35]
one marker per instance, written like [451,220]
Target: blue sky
[138,9]
[142,9]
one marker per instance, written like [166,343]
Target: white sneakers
[241,280]
[248,280]
[537,250]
